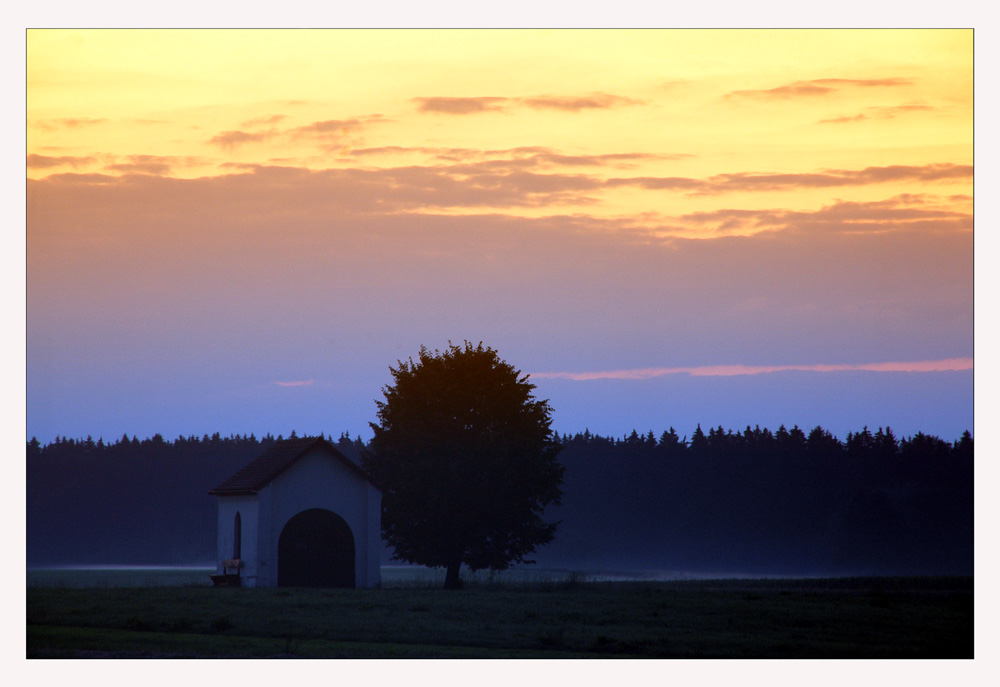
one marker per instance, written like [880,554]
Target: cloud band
[946,365]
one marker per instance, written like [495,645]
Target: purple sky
[248,323]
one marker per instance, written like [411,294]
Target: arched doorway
[316,549]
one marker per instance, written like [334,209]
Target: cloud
[408,150]
[617,159]
[518,151]
[541,160]
[789,90]
[946,365]
[261,121]
[154,168]
[306,382]
[565,103]
[845,119]
[331,128]
[879,112]
[663,183]
[459,106]
[864,83]
[403,189]
[892,110]
[157,165]
[324,131]
[754,181]
[527,181]
[815,87]
[69,123]
[908,212]
[840,177]
[516,158]
[45,162]
[577,103]
[233,139]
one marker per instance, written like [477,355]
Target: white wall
[317,480]
[248,508]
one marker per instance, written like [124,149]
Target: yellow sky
[683,103]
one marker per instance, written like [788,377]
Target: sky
[240,231]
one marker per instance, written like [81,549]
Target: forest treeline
[751,501]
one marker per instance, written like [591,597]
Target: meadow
[556,616]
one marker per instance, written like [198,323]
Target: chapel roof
[275,460]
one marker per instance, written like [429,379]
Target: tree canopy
[468,459]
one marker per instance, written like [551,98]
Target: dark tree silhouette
[468,459]
[699,444]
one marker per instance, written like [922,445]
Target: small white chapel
[301,515]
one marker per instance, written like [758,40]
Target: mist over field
[717,502]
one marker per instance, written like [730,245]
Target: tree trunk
[451,579]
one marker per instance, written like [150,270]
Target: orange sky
[598,122]
[230,215]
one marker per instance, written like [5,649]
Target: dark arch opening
[237,535]
[316,549]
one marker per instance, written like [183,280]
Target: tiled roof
[274,461]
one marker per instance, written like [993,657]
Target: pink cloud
[459,106]
[946,365]
[232,139]
[464,106]
[879,112]
[330,127]
[306,382]
[816,87]
[596,100]
[45,161]
[69,123]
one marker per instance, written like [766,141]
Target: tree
[699,444]
[467,458]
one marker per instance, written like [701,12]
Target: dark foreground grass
[842,618]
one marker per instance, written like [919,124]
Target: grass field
[564,618]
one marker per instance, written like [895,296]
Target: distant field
[119,577]
[554,617]
[392,576]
